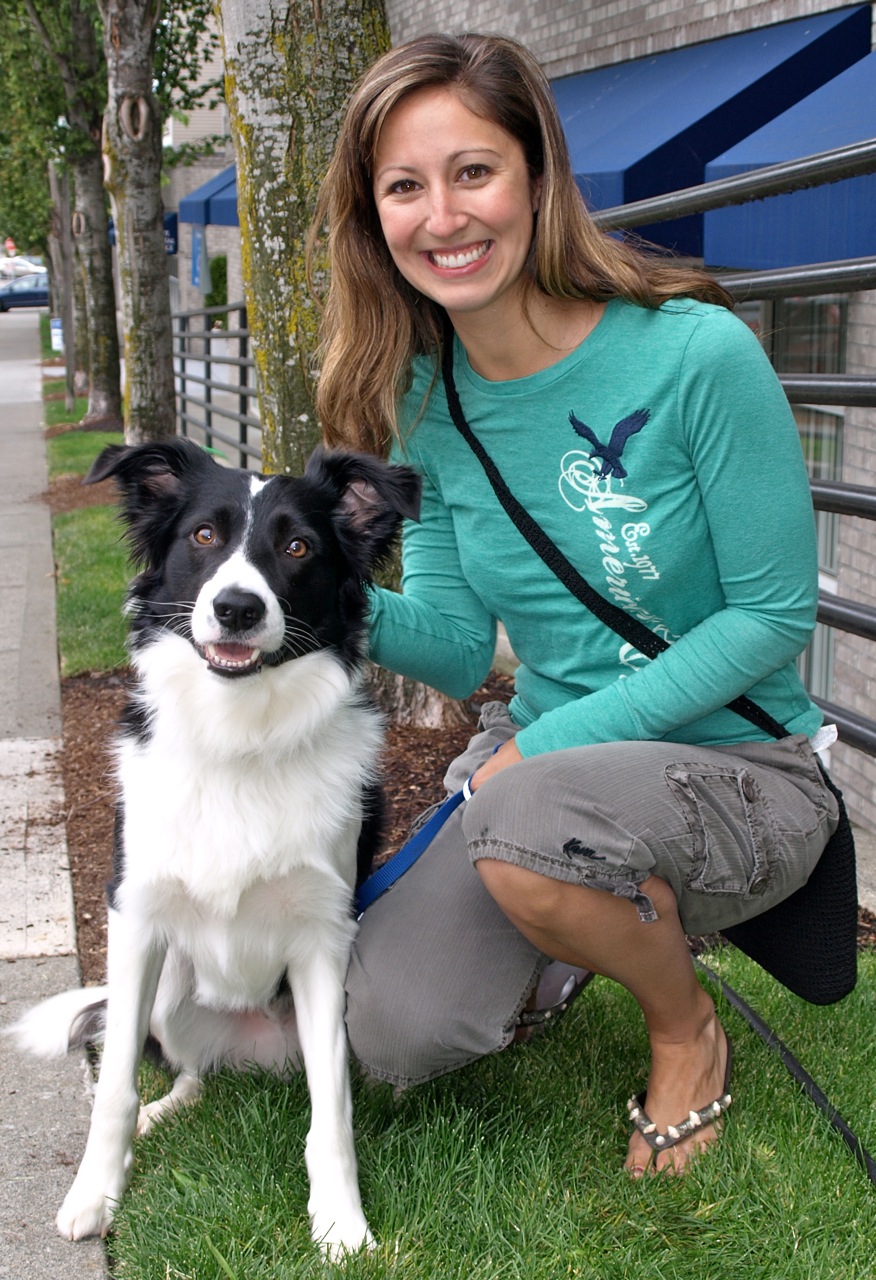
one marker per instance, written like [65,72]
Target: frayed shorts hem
[626,887]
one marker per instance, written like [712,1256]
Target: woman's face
[455,202]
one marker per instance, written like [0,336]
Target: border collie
[246,770]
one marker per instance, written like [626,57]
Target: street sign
[57,329]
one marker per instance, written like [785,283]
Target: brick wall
[578,35]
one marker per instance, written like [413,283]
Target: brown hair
[374,322]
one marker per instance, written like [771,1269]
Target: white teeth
[229,663]
[449,260]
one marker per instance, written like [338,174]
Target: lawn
[511,1168]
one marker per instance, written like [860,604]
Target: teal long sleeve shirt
[663,459]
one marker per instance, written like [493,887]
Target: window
[808,335]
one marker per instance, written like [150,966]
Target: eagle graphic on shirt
[610,454]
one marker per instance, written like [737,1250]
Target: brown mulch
[413,765]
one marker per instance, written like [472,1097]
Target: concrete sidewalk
[44,1110]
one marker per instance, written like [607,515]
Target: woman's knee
[528,898]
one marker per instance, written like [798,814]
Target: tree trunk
[91,235]
[59,186]
[132,174]
[289,68]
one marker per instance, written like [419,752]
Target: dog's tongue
[233,652]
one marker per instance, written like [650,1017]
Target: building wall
[855,666]
[578,35]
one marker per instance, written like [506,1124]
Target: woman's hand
[507,754]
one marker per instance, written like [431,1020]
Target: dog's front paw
[341,1235]
[87,1210]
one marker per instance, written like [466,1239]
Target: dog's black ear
[154,469]
[151,478]
[373,497]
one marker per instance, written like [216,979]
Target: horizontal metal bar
[855,730]
[850,389]
[844,499]
[233,388]
[209,335]
[217,412]
[772,180]
[213,357]
[847,615]
[210,311]
[844,276]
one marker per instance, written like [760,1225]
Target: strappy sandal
[676,1133]
[557,987]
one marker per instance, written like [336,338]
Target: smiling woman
[618,801]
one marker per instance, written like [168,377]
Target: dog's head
[255,570]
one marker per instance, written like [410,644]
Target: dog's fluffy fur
[246,767]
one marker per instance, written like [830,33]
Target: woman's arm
[437,631]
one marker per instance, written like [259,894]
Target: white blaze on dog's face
[237,616]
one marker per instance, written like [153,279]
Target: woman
[617,803]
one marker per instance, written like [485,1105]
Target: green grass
[56,415]
[73,452]
[511,1169]
[92,571]
[46,352]
[91,563]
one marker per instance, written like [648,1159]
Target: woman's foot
[555,990]
[685,1077]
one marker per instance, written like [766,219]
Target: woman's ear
[536,193]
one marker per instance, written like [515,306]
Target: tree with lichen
[289,68]
[132,175]
[68,32]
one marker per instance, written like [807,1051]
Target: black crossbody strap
[623,623]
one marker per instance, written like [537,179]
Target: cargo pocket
[731,829]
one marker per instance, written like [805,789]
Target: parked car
[10,268]
[26,291]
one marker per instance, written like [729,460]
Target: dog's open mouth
[231,659]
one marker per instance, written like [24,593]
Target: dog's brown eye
[297,549]
[205,536]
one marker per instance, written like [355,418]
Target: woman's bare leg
[595,929]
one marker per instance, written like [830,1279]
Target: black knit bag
[809,941]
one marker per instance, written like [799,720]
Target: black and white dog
[246,769]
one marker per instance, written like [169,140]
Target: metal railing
[198,355]
[212,407]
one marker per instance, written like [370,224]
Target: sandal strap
[536,1017]
[694,1120]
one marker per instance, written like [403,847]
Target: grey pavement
[44,1109]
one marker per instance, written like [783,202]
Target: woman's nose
[445,212]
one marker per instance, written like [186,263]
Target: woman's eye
[205,535]
[473,171]
[403,187]
[297,548]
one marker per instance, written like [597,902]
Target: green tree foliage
[29,134]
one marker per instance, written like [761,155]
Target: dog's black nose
[238,610]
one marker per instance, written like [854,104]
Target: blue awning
[214,203]
[817,225]
[649,126]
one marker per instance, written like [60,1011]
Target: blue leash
[395,867]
